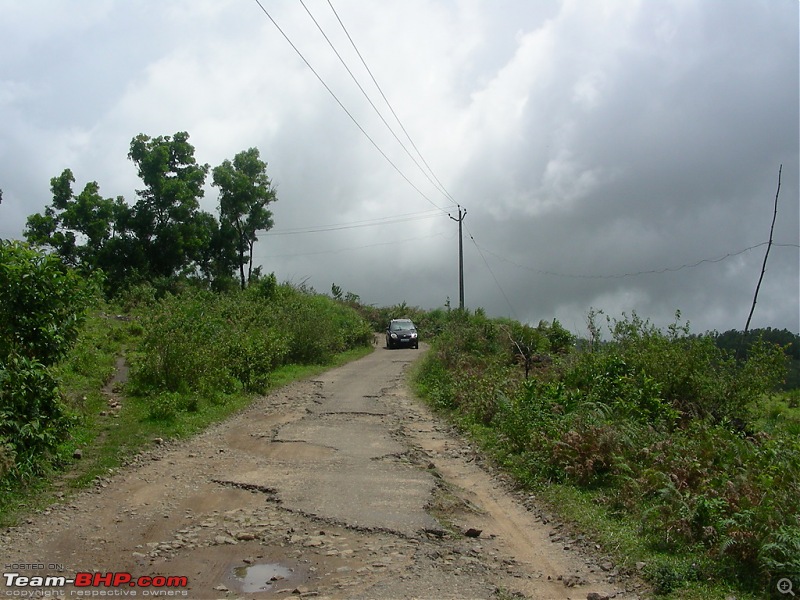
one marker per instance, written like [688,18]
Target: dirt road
[339,487]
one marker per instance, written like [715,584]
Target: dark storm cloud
[587,141]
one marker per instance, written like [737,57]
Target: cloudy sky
[615,154]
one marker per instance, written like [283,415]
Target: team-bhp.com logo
[93,585]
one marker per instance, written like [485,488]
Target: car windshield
[401,325]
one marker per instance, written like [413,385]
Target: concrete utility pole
[460,218]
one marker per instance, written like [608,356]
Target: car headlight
[394,336]
[413,335]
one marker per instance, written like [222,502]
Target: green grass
[673,576]
[780,411]
[109,441]
[683,576]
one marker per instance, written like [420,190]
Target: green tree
[80,229]
[245,193]
[170,237]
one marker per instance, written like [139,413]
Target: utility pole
[460,218]
[766,255]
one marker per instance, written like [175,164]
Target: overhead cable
[497,283]
[356,224]
[636,273]
[434,181]
[342,106]
[440,186]
[336,251]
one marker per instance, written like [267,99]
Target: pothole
[264,577]
[291,450]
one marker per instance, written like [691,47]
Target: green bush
[33,417]
[208,345]
[661,426]
[42,305]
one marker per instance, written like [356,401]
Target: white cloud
[584,138]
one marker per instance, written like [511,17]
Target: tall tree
[81,229]
[165,221]
[245,193]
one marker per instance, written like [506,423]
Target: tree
[245,193]
[165,218]
[81,229]
[164,234]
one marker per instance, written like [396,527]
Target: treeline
[740,343]
[205,327]
[664,429]
[164,233]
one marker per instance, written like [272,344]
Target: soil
[343,486]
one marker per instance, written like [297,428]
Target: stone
[78,453]
[313,543]
[472,532]
[224,539]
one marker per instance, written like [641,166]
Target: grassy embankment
[194,359]
[674,456]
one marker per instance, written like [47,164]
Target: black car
[402,333]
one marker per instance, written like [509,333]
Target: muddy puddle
[263,577]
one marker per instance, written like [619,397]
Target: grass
[780,411]
[108,441]
[673,576]
[686,574]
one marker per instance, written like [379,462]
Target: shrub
[211,345]
[660,424]
[33,417]
[42,305]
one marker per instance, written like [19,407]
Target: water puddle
[260,577]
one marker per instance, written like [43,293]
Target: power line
[636,273]
[336,251]
[440,187]
[435,183]
[355,224]
[388,104]
[497,283]
[342,106]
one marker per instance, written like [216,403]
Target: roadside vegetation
[193,357]
[124,325]
[678,457]
[127,325]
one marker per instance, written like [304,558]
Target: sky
[614,155]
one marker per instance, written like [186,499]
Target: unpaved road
[343,486]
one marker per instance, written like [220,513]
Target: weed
[662,428]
